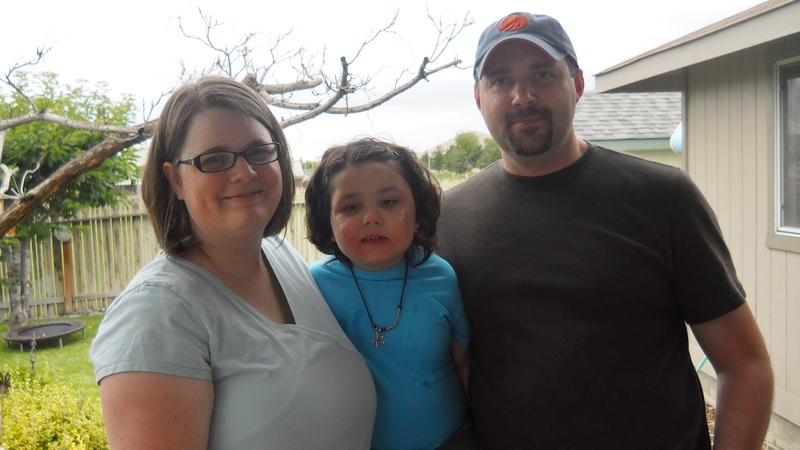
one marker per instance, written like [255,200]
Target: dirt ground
[710,415]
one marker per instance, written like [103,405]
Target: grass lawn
[69,365]
[449,179]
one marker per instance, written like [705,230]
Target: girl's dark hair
[169,216]
[424,188]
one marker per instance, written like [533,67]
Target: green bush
[41,414]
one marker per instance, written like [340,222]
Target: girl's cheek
[408,216]
[340,232]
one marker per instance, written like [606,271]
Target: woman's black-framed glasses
[221,161]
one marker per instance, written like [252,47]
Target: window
[789,169]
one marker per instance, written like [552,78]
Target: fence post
[66,248]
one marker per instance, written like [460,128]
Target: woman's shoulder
[157,289]
[164,272]
[170,285]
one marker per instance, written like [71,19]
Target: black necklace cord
[399,305]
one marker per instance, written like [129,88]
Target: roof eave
[661,69]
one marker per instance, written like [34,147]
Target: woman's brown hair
[169,216]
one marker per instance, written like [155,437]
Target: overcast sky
[136,47]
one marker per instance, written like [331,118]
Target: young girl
[373,206]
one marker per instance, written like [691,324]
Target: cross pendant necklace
[379,338]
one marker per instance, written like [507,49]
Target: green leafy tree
[468,142]
[489,154]
[455,160]
[33,151]
[437,159]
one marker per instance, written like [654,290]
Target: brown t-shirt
[577,287]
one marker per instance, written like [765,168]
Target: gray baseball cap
[538,29]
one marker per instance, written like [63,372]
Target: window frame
[785,72]
[781,237]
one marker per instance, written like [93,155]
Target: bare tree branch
[421,75]
[232,61]
[3,134]
[278,56]
[47,116]
[148,112]
[269,89]
[40,54]
[319,108]
[324,106]
[21,182]
[88,160]
[341,87]
[370,39]
[6,184]
[448,32]
[335,89]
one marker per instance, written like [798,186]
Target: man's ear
[171,172]
[477,96]
[579,85]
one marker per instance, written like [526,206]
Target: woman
[224,340]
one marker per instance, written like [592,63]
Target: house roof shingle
[610,116]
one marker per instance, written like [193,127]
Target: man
[580,268]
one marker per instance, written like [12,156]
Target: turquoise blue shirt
[420,398]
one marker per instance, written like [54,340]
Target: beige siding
[793,326]
[750,245]
[660,156]
[729,153]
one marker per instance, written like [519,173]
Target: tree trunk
[19,310]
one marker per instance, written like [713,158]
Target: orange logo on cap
[513,23]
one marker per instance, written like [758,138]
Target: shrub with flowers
[40,414]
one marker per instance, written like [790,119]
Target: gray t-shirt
[299,386]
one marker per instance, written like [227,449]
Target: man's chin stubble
[532,148]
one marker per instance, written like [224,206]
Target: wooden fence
[107,248]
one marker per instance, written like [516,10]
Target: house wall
[657,150]
[661,156]
[730,109]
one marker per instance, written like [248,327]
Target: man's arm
[461,360]
[737,352]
